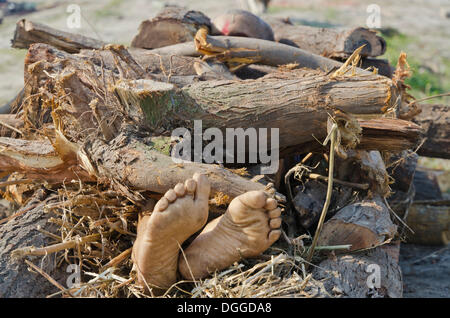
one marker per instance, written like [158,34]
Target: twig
[11,127]
[361,186]
[48,277]
[428,97]
[42,251]
[13,182]
[332,136]
[118,259]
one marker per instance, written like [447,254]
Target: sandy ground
[118,20]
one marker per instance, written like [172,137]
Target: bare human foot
[180,213]
[249,227]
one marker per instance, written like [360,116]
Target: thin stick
[13,182]
[118,259]
[361,186]
[11,127]
[48,277]
[329,192]
[429,97]
[19,213]
[42,251]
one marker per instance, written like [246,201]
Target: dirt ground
[426,269]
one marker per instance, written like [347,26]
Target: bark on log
[170,26]
[28,32]
[329,42]
[259,51]
[430,221]
[16,281]
[435,120]
[363,225]
[354,275]
[271,102]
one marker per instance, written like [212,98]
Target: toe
[161,205]
[253,199]
[190,186]
[203,187]
[273,236]
[275,223]
[179,190]
[271,204]
[274,213]
[170,195]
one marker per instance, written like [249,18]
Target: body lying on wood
[107,116]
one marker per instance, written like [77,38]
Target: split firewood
[38,160]
[28,32]
[399,134]
[435,121]
[329,42]
[362,225]
[374,273]
[171,25]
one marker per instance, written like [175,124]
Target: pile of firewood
[86,145]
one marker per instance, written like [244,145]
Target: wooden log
[430,221]
[426,185]
[370,274]
[171,25]
[271,96]
[258,51]
[17,281]
[28,32]
[263,103]
[329,42]
[276,101]
[435,121]
[399,134]
[402,169]
[363,225]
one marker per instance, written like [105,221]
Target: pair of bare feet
[250,226]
